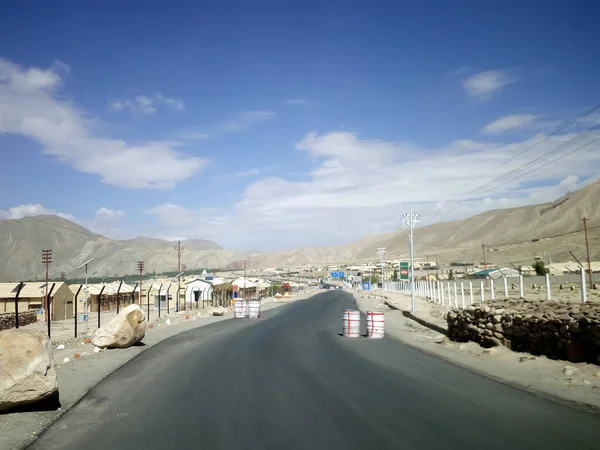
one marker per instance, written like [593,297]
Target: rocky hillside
[21,242]
[507,228]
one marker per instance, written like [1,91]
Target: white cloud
[298,102]
[511,123]
[31,107]
[147,104]
[108,215]
[245,120]
[29,210]
[483,85]
[360,187]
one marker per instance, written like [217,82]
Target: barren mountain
[511,236]
[556,227]
[21,242]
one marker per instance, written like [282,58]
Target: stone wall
[559,330]
[8,320]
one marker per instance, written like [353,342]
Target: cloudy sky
[281,124]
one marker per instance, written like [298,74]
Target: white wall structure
[198,290]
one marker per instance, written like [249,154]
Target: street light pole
[411,220]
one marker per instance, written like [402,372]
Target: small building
[245,288]
[198,290]
[32,297]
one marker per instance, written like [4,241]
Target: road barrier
[253,309]
[240,309]
[351,319]
[375,324]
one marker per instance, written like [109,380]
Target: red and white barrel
[375,324]
[253,309]
[351,319]
[240,309]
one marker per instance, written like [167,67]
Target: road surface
[289,381]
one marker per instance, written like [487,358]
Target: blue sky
[281,124]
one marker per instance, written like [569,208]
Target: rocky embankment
[559,330]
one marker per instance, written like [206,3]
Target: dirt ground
[77,376]
[549,378]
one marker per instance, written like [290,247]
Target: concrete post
[492,293]
[548,292]
[441,287]
[449,295]
[505,287]
[462,293]
[455,296]
[583,287]
[521,287]
[471,292]
[482,292]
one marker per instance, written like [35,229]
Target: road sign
[337,275]
[366,286]
[404,270]
[209,278]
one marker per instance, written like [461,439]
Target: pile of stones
[559,330]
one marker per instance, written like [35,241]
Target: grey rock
[570,370]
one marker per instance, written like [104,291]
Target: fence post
[449,294]
[159,294]
[119,296]
[505,287]
[492,293]
[48,306]
[470,292]
[100,304]
[19,287]
[75,306]
[441,289]
[455,295]
[521,287]
[462,293]
[548,293]
[147,301]
[583,287]
[168,293]
[482,291]
[433,292]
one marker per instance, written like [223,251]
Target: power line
[520,171]
[512,158]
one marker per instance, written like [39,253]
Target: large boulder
[124,330]
[27,372]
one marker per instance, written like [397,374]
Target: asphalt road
[289,381]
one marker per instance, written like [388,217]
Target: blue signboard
[367,286]
[209,278]
[337,274]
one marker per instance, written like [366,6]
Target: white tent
[198,290]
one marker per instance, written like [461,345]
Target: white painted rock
[124,330]
[66,360]
[96,349]
[60,347]
[27,372]
[168,321]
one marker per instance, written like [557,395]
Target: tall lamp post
[411,220]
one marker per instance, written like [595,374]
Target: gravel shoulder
[575,384]
[80,374]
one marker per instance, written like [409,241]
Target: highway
[289,381]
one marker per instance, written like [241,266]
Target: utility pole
[411,220]
[484,264]
[179,249]
[381,252]
[140,266]
[587,247]
[47,260]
